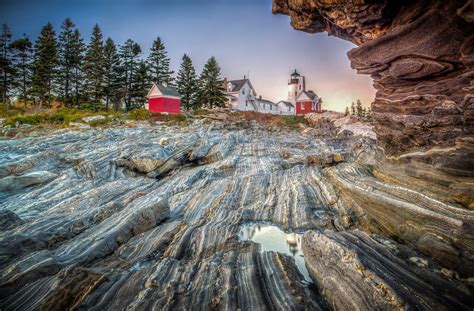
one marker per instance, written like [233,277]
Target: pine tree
[353,109]
[45,64]
[140,84]
[94,65]
[77,61]
[369,115]
[359,109]
[68,60]
[364,114]
[346,113]
[159,63]
[22,50]
[6,68]
[111,71]
[211,88]
[129,53]
[187,83]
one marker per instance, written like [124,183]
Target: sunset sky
[244,36]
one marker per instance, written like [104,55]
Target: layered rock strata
[417,187]
[147,217]
[421,57]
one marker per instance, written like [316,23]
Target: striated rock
[357,272]
[25,180]
[130,223]
[444,232]
[421,57]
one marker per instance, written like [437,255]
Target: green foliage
[173,118]
[211,92]
[45,64]
[6,68]
[62,116]
[139,114]
[159,63]
[359,110]
[71,49]
[187,84]
[346,112]
[99,122]
[112,78]
[94,65]
[22,51]
[294,121]
[129,53]
[92,106]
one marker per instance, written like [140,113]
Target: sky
[244,36]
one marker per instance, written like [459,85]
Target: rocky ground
[143,216]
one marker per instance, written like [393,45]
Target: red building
[164,99]
[306,102]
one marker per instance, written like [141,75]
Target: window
[271,108]
[246,103]
[243,91]
[302,105]
[295,93]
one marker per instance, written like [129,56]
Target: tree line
[99,74]
[359,112]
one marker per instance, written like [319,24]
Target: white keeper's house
[242,97]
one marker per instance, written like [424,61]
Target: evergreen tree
[68,59]
[187,83]
[159,63]
[353,109]
[6,68]
[346,112]
[111,71]
[77,63]
[140,85]
[22,50]
[364,114]
[45,64]
[211,89]
[359,109]
[369,115]
[129,53]
[94,65]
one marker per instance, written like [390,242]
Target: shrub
[139,114]
[100,122]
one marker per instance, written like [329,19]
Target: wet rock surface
[148,217]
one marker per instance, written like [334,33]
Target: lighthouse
[296,85]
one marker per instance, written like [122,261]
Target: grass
[270,119]
[64,116]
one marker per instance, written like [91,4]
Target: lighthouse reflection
[272,238]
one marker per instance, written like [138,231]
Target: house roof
[168,90]
[266,101]
[310,94]
[161,90]
[286,103]
[238,84]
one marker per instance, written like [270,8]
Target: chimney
[260,97]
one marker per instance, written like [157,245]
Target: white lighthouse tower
[296,85]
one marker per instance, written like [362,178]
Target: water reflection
[272,238]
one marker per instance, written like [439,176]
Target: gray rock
[25,180]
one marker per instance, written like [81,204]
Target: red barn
[164,99]
[306,102]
